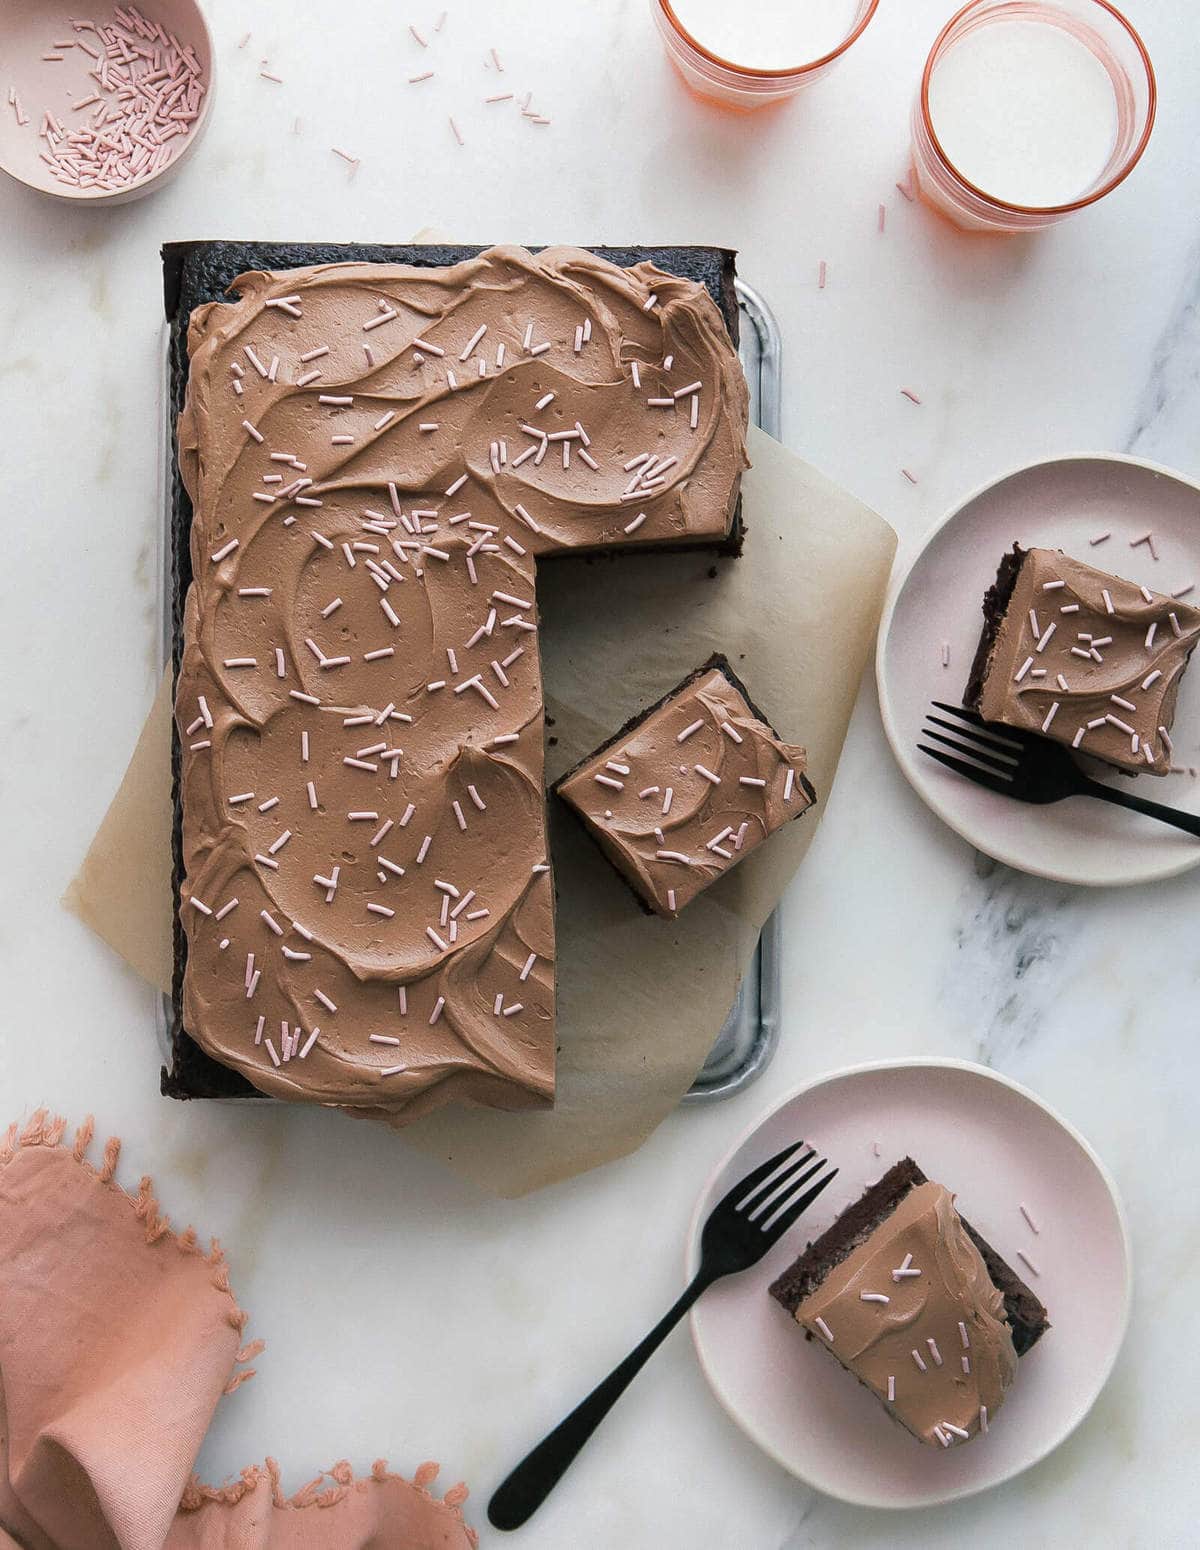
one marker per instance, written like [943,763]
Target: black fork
[1027,767]
[749,1221]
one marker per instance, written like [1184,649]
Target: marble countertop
[406,1315]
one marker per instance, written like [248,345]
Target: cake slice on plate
[1085,658]
[919,1307]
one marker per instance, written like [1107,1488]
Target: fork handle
[519,1496]
[1188,822]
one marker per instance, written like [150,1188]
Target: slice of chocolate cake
[688,788]
[917,1305]
[1082,657]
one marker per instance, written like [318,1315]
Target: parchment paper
[640,999]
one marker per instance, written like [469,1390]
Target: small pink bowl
[28,29]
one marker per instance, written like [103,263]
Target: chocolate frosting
[950,1315]
[1102,673]
[360,700]
[672,847]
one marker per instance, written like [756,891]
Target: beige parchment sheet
[640,999]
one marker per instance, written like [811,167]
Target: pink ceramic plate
[995,1145]
[1060,504]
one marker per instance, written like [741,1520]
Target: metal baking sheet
[750,1036]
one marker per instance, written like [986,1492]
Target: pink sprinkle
[822,274]
[496,60]
[425,75]
[268,76]
[882,222]
[456,131]
[909,475]
[909,394]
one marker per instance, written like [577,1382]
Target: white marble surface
[407,1316]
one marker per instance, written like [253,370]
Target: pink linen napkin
[118,1338]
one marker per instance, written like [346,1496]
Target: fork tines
[1000,734]
[785,1208]
[768,1186]
[990,754]
[744,1188]
[768,1197]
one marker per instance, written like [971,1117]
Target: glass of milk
[1029,111]
[748,53]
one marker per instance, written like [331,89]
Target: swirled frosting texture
[359,701]
[1090,660]
[914,1315]
[689,790]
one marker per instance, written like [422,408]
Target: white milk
[1024,111]
[768,34]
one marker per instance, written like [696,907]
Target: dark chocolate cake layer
[995,604]
[1026,1316]
[195,273]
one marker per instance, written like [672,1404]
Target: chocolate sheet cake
[917,1305]
[1083,657]
[688,788]
[378,454]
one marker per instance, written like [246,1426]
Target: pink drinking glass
[1118,48]
[740,86]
